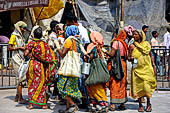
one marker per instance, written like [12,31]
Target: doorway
[5,23]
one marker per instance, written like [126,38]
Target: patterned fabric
[68,86]
[41,71]
[72,31]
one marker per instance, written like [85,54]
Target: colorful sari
[118,93]
[143,80]
[41,71]
[68,86]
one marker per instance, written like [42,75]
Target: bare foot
[45,107]
[29,107]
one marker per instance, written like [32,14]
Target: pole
[122,14]
[74,7]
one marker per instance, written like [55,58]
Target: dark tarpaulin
[16,4]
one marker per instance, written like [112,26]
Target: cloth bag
[116,66]
[23,70]
[70,65]
[98,72]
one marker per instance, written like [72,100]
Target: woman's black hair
[71,17]
[38,33]
[53,25]
[154,32]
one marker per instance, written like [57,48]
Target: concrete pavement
[160,104]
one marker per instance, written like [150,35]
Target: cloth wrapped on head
[72,31]
[97,39]
[20,24]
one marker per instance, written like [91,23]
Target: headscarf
[72,31]
[17,30]
[129,30]
[122,37]
[97,39]
[32,33]
[144,46]
[20,24]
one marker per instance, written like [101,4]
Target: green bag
[98,72]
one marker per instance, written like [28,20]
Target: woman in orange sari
[41,69]
[118,94]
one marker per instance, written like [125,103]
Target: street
[160,104]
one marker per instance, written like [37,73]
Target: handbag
[98,72]
[116,66]
[23,70]
[70,65]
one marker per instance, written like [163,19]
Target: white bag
[23,70]
[70,65]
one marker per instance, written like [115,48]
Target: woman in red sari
[41,69]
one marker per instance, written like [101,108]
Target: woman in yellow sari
[97,93]
[143,82]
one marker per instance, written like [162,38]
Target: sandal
[61,111]
[29,107]
[141,110]
[149,108]
[111,108]
[121,108]
[72,109]
[22,101]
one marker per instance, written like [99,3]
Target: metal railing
[162,60]
[160,53]
[7,76]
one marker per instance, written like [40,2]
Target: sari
[143,81]
[41,71]
[97,92]
[68,86]
[118,93]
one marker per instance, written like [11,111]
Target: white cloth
[61,39]
[83,34]
[5,56]
[154,42]
[52,37]
[167,39]
[18,55]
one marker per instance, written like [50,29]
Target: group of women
[41,70]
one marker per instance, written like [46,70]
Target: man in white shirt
[154,41]
[72,20]
[167,38]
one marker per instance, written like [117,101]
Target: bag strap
[119,48]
